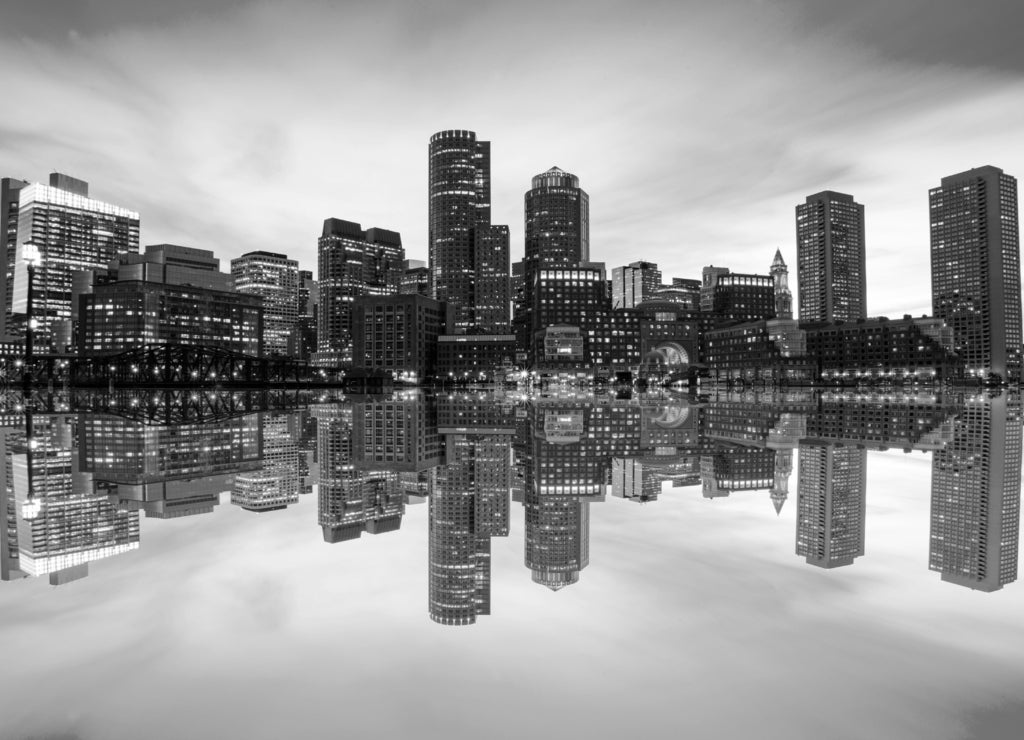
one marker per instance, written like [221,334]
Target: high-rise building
[634,283]
[830,504]
[468,256]
[10,190]
[975,266]
[275,279]
[830,258]
[557,228]
[70,232]
[352,263]
[975,511]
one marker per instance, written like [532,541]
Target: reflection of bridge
[162,406]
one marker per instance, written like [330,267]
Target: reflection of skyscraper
[975,266]
[830,504]
[351,501]
[11,438]
[468,506]
[276,484]
[975,513]
[830,258]
[63,522]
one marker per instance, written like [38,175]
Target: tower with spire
[783,296]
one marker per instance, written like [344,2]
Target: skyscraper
[352,263]
[9,193]
[830,258]
[71,232]
[468,256]
[274,278]
[557,227]
[975,266]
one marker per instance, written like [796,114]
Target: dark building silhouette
[468,256]
[415,278]
[975,268]
[975,507]
[830,258]
[830,504]
[352,263]
[731,296]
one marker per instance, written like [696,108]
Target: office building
[975,268]
[277,483]
[635,283]
[352,263]
[830,258]
[468,257]
[70,232]
[415,278]
[729,297]
[10,191]
[398,333]
[275,279]
[131,313]
[557,228]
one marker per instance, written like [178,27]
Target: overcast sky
[695,127]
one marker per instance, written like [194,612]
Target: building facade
[398,333]
[468,258]
[352,263]
[975,268]
[275,279]
[634,283]
[69,232]
[830,258]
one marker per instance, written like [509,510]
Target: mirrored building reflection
[831,500]
[276,484]
[975,505]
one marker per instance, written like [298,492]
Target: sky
[695,127]
[694,618]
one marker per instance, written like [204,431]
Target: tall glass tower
[468,256]
[975,266]
[830,258]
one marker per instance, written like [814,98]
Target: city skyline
[903,118]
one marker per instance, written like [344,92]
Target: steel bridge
[181,365]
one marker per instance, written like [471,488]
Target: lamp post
[30,254]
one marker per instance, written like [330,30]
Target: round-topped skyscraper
[468,256]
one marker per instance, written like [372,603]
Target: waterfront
[691,613]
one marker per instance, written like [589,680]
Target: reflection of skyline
[168,470]
[466,454]
[975,507]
